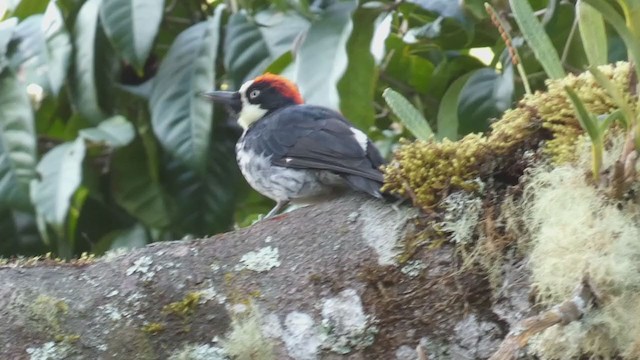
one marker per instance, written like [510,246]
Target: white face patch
[361,138]
[249,113]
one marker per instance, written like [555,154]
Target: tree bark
[346,279]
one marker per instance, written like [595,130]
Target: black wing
[312,137]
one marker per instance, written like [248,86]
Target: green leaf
[280,64]
[7,28]
[17,143]
[537,38]
[132,26]
[616,93]
[322,58]
[408,114]
[85,78]
[448,110]
[131,238]
[250,45]
[58,46]
[485,96]
[26,8]
[44,50]
[593,33]
[609,119]
[60,173]
[588,122]
[181,118]
[618,23]
[203,203]
[114,132]
[135,189]
[403,65]
[357,85]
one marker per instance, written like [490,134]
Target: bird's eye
[254,94]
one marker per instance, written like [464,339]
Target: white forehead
[245,86]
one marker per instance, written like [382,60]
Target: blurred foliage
[105,141]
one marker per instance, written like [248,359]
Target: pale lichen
[301,336]
[246,340]
[199,352]
[262,260]
[49,351]
[141,266]
[345,325]
[413,268]
[575,231]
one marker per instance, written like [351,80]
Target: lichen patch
[345,325]
[382,229]
[300,336]
[262,260]
[141,266]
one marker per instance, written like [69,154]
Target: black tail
[368,186]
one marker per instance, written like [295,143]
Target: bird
[298,153]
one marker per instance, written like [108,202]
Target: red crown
[282,85]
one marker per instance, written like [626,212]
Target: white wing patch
[361,138]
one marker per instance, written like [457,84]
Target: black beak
[229,98]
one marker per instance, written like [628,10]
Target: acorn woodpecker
[292,152]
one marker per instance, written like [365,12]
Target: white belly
[280,183]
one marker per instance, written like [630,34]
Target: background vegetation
[104,141]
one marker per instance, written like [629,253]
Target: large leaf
[134,237]
[618,23]
[252,44]
[448,111]
[181,118]
[485,96]
[592,33]
[58,46]
[357,86]
[114,132]
[44,50]
[203,203]
[408,114]
[17,143]
[538,40]
[323,58]
[6,33]
[26,8]
[60,173]
[132,25]
[135,189]
[85,84]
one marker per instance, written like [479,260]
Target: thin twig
[568,311]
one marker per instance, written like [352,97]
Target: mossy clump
[426,171]
[153,328]
[46,314]
[184,307]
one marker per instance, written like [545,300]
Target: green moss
[153,328]
[184,307]
[46,314]
[126,340]
[426,171]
